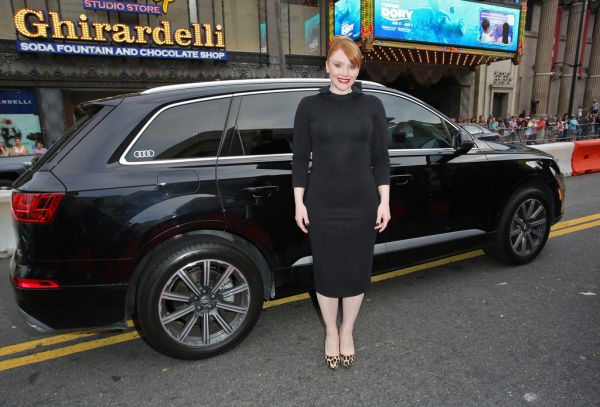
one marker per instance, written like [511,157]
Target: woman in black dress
[346,194]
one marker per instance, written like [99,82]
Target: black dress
[347,136]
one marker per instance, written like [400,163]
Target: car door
[439,200]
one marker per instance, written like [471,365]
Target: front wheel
[197,300]
[524,226]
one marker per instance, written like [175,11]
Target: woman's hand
[383,217]
[301,217]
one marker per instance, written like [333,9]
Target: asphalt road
[469,333]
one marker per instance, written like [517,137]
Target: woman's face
[18,141]
[341,71]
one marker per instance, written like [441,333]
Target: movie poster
[312,35]
[450,22]
[19,118]
[347,18]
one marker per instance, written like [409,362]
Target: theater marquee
[48,33]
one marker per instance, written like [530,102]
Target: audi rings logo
[143,154]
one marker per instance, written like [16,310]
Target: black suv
[174,206]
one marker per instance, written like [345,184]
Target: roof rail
[194,85]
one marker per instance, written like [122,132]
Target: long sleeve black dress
[347,136]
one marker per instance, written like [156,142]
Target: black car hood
[512,148]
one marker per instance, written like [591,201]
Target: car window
[191,130]
[265,124]
[411,126]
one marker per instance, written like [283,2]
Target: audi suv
[174,207]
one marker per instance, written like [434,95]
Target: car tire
[524,225]
[198,299]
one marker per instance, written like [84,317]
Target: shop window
[191,130]
[411,126]
[303,27]
[244,23]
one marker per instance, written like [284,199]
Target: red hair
[348,47]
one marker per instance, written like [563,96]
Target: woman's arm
[380,160]
[300,161]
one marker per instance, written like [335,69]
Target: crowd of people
[20,149]
[525,129]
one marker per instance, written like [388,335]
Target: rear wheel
[198,300]
[524,226]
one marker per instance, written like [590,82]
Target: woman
[346,202]
[19,148]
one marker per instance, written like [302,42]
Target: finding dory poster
[448,22]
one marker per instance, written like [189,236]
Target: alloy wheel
[204,303]
[528,227]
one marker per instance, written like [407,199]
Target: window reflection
[411,126]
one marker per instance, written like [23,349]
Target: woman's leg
[351,306]
[329,310]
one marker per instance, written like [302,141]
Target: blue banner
[456,23]
[21,101]
[112,51]
[347,18]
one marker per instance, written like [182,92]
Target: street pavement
[469,333]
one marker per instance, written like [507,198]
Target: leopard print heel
[347,360]
[332,361]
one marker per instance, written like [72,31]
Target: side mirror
[461,142]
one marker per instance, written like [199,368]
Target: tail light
[34,283]
[35,208]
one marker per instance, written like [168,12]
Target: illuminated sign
[127,7]
[347,18]
[42,27]
[455,23]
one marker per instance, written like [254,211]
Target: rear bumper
[70,307]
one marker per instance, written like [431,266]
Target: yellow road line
[576,221]
[573,229]
[564,228]
[68,350]
[281,301]
[52,340]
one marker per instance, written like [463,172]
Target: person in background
[560,129]
[540,133]
[19,148]
[493,124]
[573,125]
[39,148]
[534,105]
[597,124]
[3,150]
[595,106]
[579,111]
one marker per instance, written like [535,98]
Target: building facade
[55,54]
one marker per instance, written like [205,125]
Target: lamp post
[576,63]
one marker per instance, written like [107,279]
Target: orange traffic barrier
[586,157]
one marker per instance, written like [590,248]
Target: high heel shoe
[347,360]
[332,361]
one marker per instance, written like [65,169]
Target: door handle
[264,190]
[401,179]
